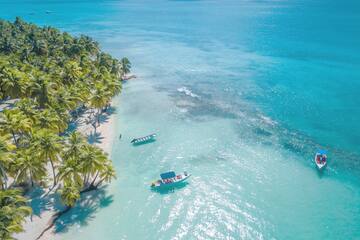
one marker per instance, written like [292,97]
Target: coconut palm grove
[48,78]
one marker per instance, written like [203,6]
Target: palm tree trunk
[94,126]
[86,179]
[99,183]
[16,178]
[14,137]
[4,182]
[84,182]
[53,220]
[98,116]
[93,181]
[53,170]
[31,179]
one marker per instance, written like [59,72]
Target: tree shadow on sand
[92,137]
[40,204]
[84,211]
[95,138]
[109,111]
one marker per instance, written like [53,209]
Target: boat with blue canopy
[146,139]
[169,179]
[320,159]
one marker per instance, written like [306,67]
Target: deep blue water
[242,93]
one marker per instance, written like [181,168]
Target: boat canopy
[168,175]
[322,152]
[142,139]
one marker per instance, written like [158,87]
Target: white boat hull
[319,166]
[175,182]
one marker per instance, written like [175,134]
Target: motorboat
[320,159]
[146,139]
[169,179]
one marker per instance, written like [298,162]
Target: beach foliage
[51,78]
[13,210]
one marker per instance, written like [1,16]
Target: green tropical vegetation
[51,77]
[13,210]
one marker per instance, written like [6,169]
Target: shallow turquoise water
[241,94]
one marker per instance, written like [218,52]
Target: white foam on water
[187,92]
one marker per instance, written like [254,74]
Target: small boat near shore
[146,139]
[320,159]
[169,179]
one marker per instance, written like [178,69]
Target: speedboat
[146,139]
[320,159]
[169,179]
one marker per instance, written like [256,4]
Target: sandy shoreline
[34,225]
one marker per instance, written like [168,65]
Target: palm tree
[48,147]
[70,172]
[125,66]
[20,24]
[6,159]
[79,92]
[49,119]
[74,146]
[41,47]
[116,69]
[63,118]
[107,174]
[42,90]
[65,99]
[12,82]
[99,98]
[7,45]
[91,161]
[90,45]
[97,166]
[28,107]
[112,87]
[13,210]
[72,72]
[104,60]
[16,123]
[29,167]
[25,55]
[69,194]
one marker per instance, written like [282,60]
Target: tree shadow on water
[169,190]
[84,211]
[320,173]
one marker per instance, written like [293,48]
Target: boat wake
[188,92]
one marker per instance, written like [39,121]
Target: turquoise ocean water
[241,94]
